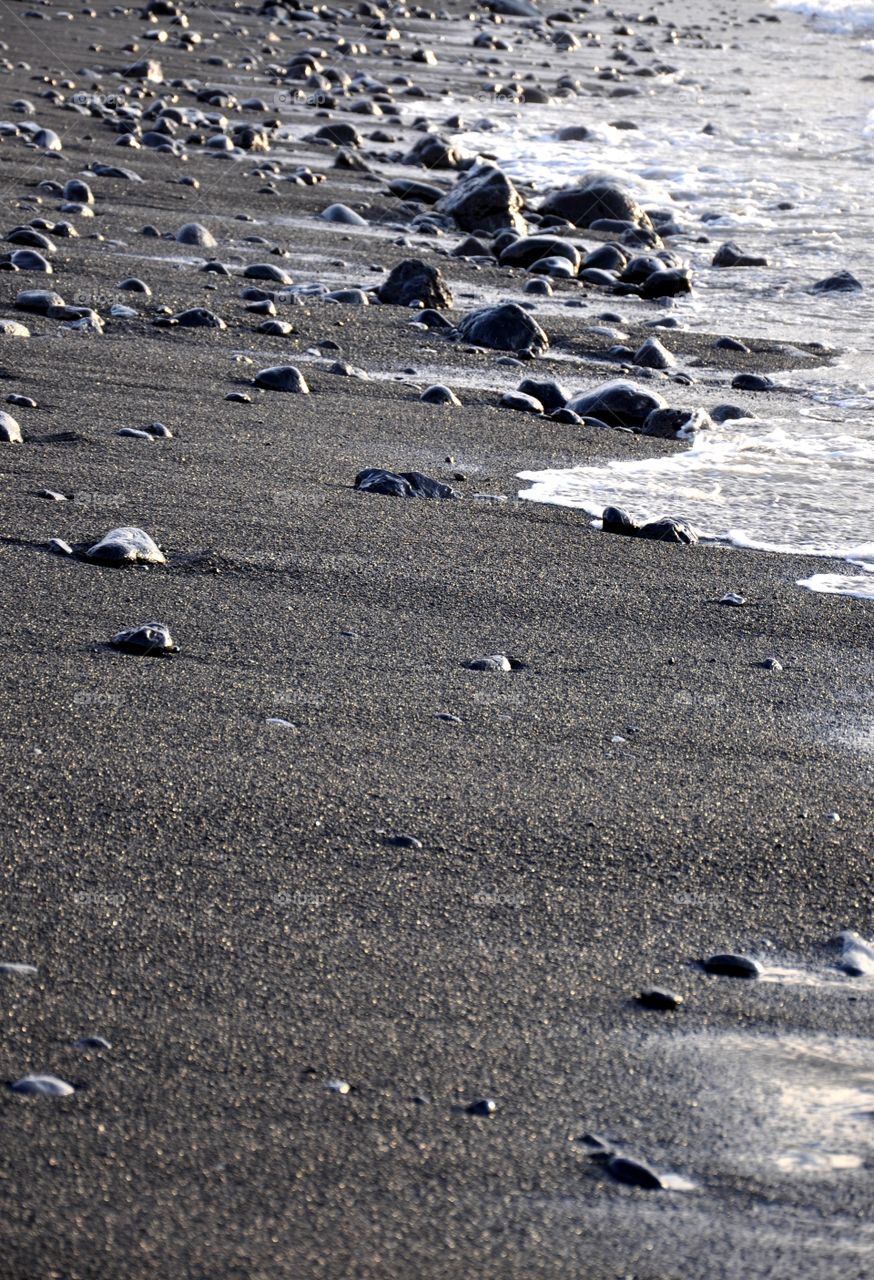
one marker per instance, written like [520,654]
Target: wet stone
[521,403]
[403,841]
[341,213]
[730,965]
[669,530]
[126,545]
[656,998]
[634,1173]
[150,638]
[10,431]
[405,484]
[615,520]
[438,394]
[282,377]
[506,327]
[43,1086]
[482,1107]
[752,382]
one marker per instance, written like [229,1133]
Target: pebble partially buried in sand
[126,545]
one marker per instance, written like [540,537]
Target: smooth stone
[669,530]
[633,1173]
[47,140]
[342,135]
[91,1042]
[618,404]
[522,403]
[78,191]
[615,520]
[194,233]
[267,271]
[675,424]
[772,664]
[418,192]
[276,328]
[729,255]
[483,199]
[840,282]
[567,416]
[482,1107]
[556,268]
[59,547]
[238,397]
[134,433]
[16,969]
[349,297]
[596,199]
[433,152]
[731,344]
[199,318]
[148,638]
[10,431]
[32,238]
[667,284]
[343,214]
[431,319]
[438,394]
[337,1086]
[404,842]
[731,598]
[653,355]
[539,286]
[404,484]
[729,965]
[752,382]
[281,377]
[656,998]
[506,327]
[856,956]
[43,1086]
[496,662]
[729,413]
[415,281]
[527,251]
[39,301]
[30,260]
[126,545]
[12,329]
[551,394]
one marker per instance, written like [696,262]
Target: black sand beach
[219,896]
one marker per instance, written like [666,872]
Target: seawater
[792,118]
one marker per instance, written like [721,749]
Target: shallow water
[799,483]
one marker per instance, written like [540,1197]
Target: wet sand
[216,895]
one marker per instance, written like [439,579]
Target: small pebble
[44,1086]
[18,969]
[483,1107]
[91,1042]
[656,998]
[729,965]
[731,598]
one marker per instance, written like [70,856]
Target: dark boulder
[669,530]
[596,199]
[405,484]
[729,255]
[343,135]
[675,424]
[527,250]
[433,152]
[506,327]
[615,520]
[484,199]
[667,284]
[549,392]
[415,281]
[841,282]
[422,192]
[652,355]
[617,404]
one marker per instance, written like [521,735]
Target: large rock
[403,484]
[282,377]
[484,199]
[504,328]
[126,545]
[415,281]
[840,282]
[618,404]
[596,199]
[530,249]
[433,152]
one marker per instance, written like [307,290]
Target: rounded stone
[438,394]
[729,965]
[43,1086]
[147,639]
[282,377]
[10,431]
[126,545]
[194,233]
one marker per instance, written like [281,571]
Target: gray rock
[438,394]
[199,318]
[415,281]
[520,402]
[419,192]
[551,394]
[669,529]
[528,250]
[30,260]
[267,271]
[618,404]
[341,213]
[506,327]
[404,484]
[134,285]
[667,284]
[495,662]
[40,301]
[43,1086]
[342,135]
[10,431]
[729,965]
[840,282]
[484,199]
[675,424]
[281,377]
[78,191]
[433,152]
[656,998]
[729,413]
[47,140]
[482,1107]
[16,969]
[126,545]
[194,234]
[147,639]
[752,382]
[729,255]
[12,329]
[615,520]
[634,1173]
[596,199]
[653,355]
[91,1042]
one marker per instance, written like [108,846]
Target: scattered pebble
[126,545]
[43,1086]
[730,965]
[148,638]
[482,1107]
